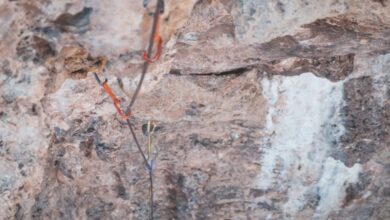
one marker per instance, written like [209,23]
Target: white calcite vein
[303,117]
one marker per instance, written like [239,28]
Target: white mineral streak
[303,117]
[331,186]
[380,69]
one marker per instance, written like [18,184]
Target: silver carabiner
[161,6]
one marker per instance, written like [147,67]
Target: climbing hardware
[148,130]
[115,100]
[156,20]
[155,37]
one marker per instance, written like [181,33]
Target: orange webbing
[159,41]
[117,102]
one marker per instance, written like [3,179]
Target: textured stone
[264,110]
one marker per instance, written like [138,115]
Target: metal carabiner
[161,6]
[117,103]
[148,130]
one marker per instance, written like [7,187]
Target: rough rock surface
[273,109]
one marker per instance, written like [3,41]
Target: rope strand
[148,58]
[115,100]
[160,5]
[138,145]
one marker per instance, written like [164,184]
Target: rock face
[265,110]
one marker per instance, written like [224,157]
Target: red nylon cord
[154,37]
[159,41]
[117,102]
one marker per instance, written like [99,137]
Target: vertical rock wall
[265,110]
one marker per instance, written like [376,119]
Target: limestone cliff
[275,109]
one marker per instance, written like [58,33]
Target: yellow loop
[150,130]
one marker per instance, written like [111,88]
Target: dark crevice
[237,71]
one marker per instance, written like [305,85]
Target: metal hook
[161,6]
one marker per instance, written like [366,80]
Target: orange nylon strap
[159,41]
[117,102]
